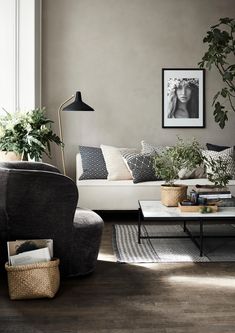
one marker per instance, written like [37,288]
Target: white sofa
[103,194]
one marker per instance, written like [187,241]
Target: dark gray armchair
[36,201]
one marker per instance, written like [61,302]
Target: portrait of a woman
[183,98]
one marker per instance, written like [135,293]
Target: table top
[155,209]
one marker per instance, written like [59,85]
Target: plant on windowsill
[27,134]
[167,165]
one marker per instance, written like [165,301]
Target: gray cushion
[141,167]
[93,163]
[213,147]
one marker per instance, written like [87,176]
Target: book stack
[210,194]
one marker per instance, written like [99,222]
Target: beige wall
[113,51]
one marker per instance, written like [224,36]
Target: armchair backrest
[36,201]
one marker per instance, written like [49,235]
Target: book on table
[212,192]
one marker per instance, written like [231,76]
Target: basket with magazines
[31,269]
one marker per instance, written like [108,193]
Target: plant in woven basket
[185,154]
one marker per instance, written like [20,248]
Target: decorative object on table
[220,53]
[127,249]
[183,97]
[168,164]
[77,105]
[27,134]
[198,208]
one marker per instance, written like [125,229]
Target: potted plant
[167,165]
[27,134]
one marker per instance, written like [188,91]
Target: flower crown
[174,83]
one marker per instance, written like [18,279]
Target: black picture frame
[183,98]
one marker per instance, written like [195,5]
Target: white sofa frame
[103,194]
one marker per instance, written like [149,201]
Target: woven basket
[33,281]
[172,195]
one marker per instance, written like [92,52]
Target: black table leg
[184,226]
[139,226]
[201,237]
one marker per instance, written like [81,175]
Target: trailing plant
[220,53]
[183,155]
[27,133]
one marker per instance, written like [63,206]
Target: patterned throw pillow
[227,155]
[148,148]
[93,163]
[141,166]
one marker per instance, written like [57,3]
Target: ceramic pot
[9,156]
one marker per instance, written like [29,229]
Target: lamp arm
[61,132]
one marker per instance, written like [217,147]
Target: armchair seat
[37,201]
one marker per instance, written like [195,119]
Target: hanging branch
[221,45]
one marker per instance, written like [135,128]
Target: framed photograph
[183,97]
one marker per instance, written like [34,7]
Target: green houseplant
[167,165]
[220,54]
[28,134]
[217,172]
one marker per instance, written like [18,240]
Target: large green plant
[220,53]
[27,133]
[184,154]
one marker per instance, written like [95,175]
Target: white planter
[9,156]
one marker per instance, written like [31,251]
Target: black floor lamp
[77,105]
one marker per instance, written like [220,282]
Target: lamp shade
[78,104]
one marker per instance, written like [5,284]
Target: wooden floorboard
[125,298]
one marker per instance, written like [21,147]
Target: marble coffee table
[156,212]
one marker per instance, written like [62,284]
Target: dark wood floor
[122,298]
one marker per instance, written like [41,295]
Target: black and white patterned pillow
[93,163]
[148,148]
[141,166]
[227,155]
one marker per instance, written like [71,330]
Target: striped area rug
[127,249]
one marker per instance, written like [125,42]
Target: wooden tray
[195,209]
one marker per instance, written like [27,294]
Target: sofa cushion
[141,166]
[117,169]
[93,163]
[148,148]
[211,146]
[226,155]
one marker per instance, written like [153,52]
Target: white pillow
[116,167]
[148,148]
